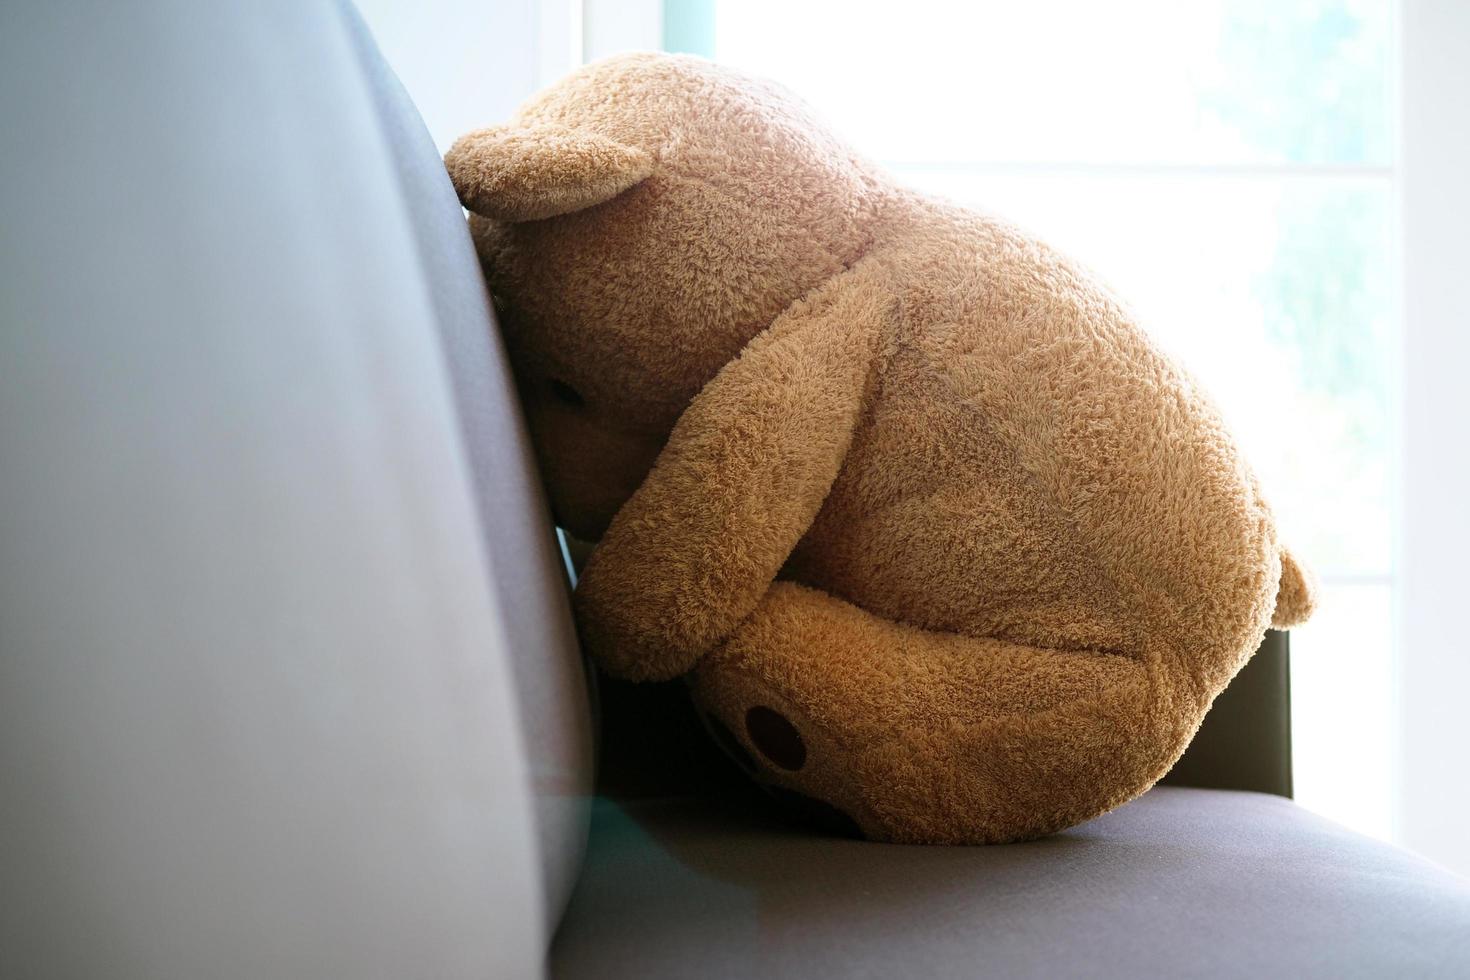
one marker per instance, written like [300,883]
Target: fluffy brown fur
[885,466]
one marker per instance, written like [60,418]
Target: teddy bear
[937,536]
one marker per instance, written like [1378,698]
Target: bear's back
[946,514]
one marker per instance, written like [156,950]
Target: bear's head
[638,224]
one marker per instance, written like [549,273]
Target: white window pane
[1275,293]
[1245,81]
[1342,708]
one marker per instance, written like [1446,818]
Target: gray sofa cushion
[1179,883]
[257,715]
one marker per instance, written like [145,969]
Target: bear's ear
[515,173]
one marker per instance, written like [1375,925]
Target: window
[1278,188]
[1230,168]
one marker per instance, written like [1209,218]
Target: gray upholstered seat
[1179,883]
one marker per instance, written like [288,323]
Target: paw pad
[775,737]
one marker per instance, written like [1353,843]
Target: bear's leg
[920,736]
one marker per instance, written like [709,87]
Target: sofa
[289,685]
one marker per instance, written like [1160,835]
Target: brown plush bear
[936,533]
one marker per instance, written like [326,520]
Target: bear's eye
[566,394]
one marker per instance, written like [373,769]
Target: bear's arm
[742,477]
